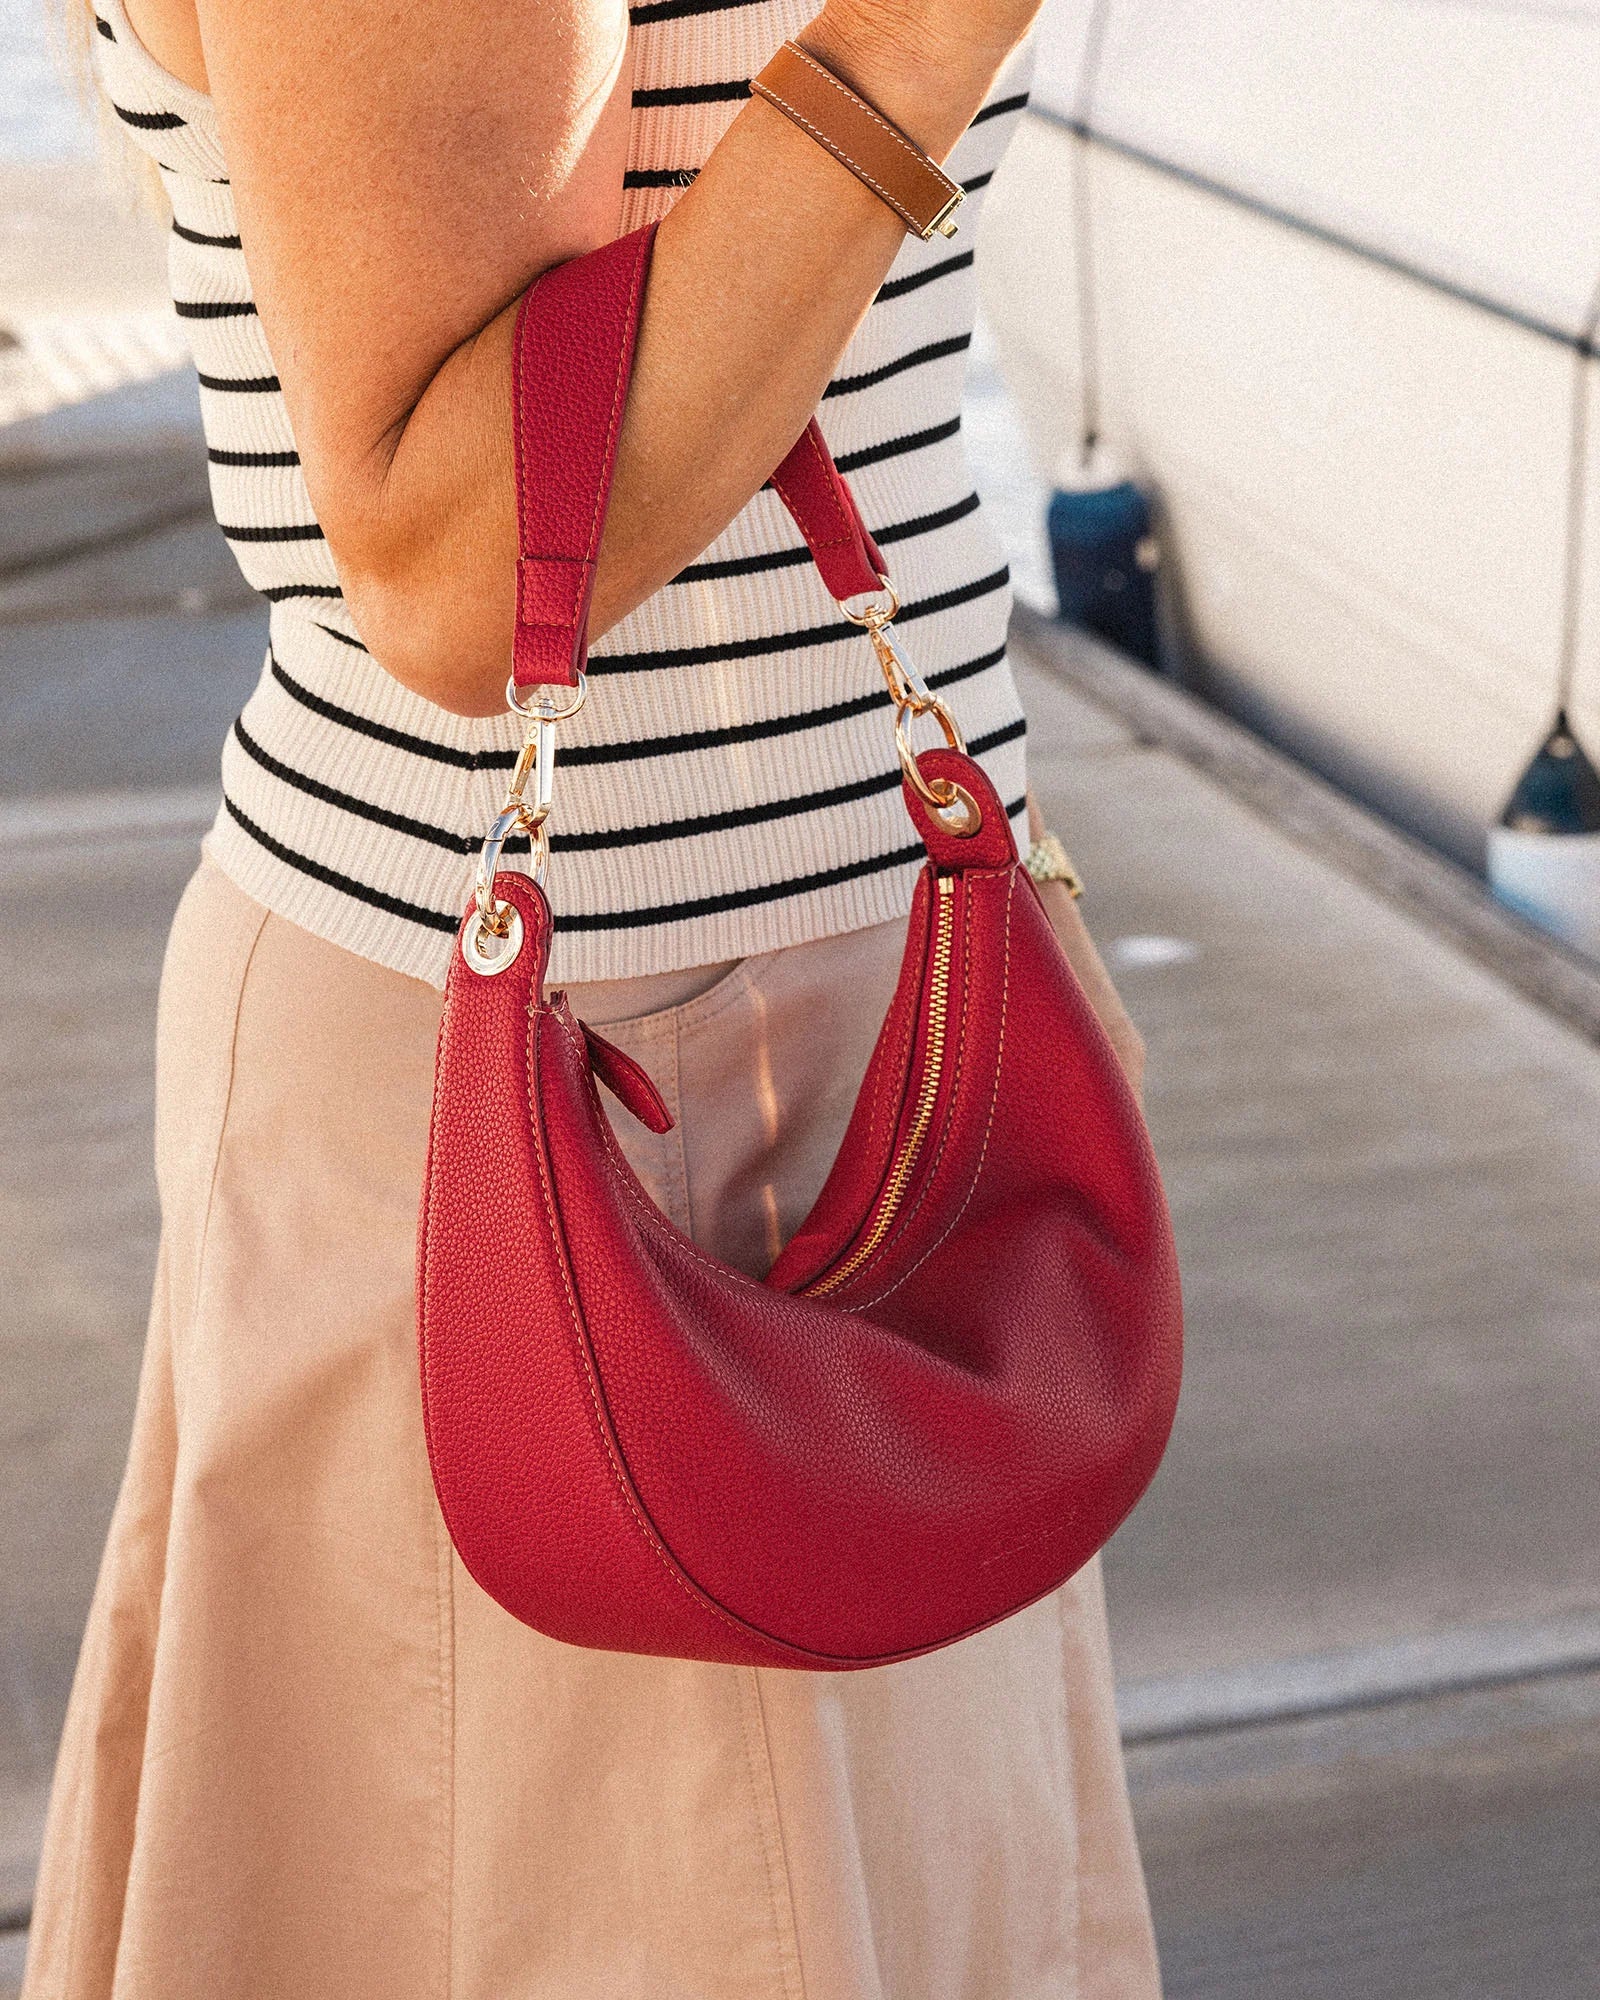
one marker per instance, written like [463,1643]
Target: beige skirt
[306,1758]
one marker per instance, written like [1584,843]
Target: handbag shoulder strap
[573,348]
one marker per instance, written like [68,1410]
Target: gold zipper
[903,1162]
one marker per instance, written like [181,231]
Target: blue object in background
[1103,549]
[1560,790]
[1544,856]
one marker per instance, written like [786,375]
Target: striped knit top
[731,785]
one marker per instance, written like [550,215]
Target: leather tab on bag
[877,153]
[628,1081]
[572,356]
[824,509]
[553,590]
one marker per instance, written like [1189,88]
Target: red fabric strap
[572,359]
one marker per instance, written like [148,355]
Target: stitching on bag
[988,1130]
[652,1538]
[904,1220]
[629,1185]
[619,396]
[881,1109]
[520,382]
[886,1111]
[830,475]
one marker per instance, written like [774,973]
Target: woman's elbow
[443,635]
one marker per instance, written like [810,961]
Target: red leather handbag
[960,1374]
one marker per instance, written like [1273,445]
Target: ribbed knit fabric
[731,785]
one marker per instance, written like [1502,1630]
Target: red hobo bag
[961,1373]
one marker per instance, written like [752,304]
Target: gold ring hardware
[536,761]
[544,709]
[488,950]
[873,615]
[495,919]
[943,796]
[537,757]
[912,697]
[969,815]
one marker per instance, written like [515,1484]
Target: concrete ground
[1357,1619]
[1384,1168]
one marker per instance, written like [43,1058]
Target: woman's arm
[401,175]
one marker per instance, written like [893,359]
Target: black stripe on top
[766,892]
[218,456]
[692,93]
[214,308]
[913,281]
[754,732]
[875,454]
[300,781]
[344,638]
[380,732]
[999,108]
[784,642]
[678,10]
[242,385]
[278,531]
[279,591]
[603,920]
[758,644]
[396,906]
[847,385]
[208,242]
[149,121]
[696,825]
[773,809]
[615,753]
[923,524]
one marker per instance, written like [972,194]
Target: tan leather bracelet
[862,139]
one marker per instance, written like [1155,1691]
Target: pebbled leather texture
[628,1081]
[824,509]
[572,356]
[955,1382]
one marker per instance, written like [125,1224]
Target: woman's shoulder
[164,114]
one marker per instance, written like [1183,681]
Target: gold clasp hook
[913,697]
[536,761]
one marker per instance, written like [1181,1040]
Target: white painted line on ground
[1429,1664]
